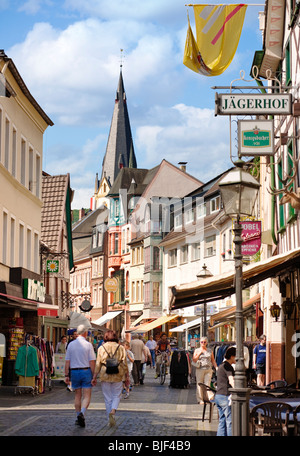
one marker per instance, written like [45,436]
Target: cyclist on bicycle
[163,346]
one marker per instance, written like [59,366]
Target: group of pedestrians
[113,363]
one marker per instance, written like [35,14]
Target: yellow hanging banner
[218,31]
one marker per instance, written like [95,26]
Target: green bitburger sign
[255,137]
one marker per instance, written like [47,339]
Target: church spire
[119,150]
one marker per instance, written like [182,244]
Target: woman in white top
[203,360]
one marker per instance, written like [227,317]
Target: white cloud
[70,72]
[193,134]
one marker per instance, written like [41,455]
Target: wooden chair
[296,421]
[270,418]
[206,400]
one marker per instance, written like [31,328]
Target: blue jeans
[224,410]
[153,357]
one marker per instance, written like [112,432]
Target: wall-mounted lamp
[275,311]
[288,308]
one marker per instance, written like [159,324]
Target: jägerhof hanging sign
[253,103]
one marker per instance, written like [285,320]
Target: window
[23,162]
[29,248]
[6,146]
[127,238]
[21,245]
[36,252]
[210,245]
[14,153]
[147,259]
[288,63]
[30,166]
[290,165]
[215,204]
[189,216]
[281,206]
[12,241]
[133,297]
[155,294]
[172,258]
[178,220]
[5,238]
[201,210]
[38,175]
[116,244]
[95,267]
[196,251]
[147,293]
[184,254]
[156,258]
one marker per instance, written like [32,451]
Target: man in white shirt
[80,361]
[151,344]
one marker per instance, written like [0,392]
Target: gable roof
[56,197]
[14,71]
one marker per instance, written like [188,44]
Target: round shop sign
[111,285]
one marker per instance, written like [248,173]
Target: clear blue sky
[68,53]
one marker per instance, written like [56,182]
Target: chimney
[182,166]
[81,213]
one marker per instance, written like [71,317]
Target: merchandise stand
[34,365]
[33,389]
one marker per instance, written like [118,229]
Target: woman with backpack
[112,365]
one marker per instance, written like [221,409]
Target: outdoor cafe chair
[206,400]
[270,418]
[297,420]
[276,384]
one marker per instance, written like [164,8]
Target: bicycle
[163,367]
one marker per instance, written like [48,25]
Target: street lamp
[204,274]
[239,193]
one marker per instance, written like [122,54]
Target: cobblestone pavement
[151,410]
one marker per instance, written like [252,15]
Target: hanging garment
[179,369]
[27,362]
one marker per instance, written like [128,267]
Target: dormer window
[215,204]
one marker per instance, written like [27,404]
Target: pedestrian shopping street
[151,410]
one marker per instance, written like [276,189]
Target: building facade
[22,126]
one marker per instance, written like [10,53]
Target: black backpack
[112,364]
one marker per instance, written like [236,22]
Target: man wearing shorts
[80,361]
[259,361]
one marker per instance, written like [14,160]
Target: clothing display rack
[219,349]
[26,368]
[38,366]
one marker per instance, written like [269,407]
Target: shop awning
[227,313]
[77,319]
[188,325]
[219,325]
[47,310]
[107,317]
[221,286]
[153,324]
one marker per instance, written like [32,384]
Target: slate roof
[119,150]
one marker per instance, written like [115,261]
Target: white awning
[77,319]
[188,325]
[107,317]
